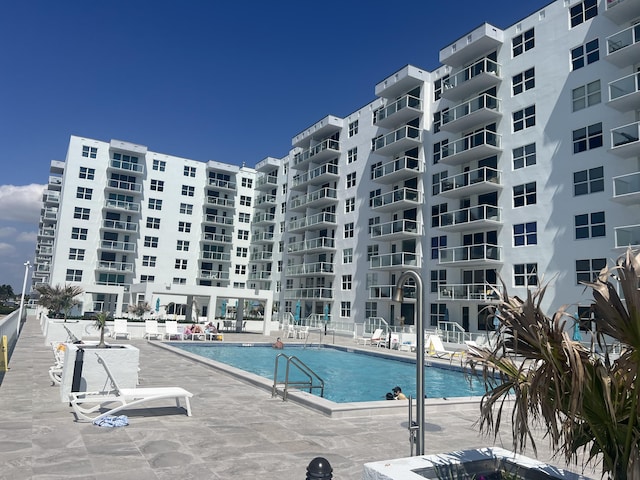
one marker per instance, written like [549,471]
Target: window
[585,54]
[587,138]
[590,225]
[436,244]
[149,261]
[438,281]
[347,255]
[523,81]
[437,121]
[525,275]
[147,278]
[76,254]
[181,264]
[438,87]
[189,171]
[437,313]
[157,185]
[588,181]
[245,200]
[523,42]
[159,165]
[179,281]
[247,182]
[242,252]
[182,245]
[372,251]
[437,181]
[155,204]
[188,191]
[244,217]
[89,152]
[346,282]
[283,207]
[586,96]
[241,269]
[587,270]
[87,173]
[583,11]
[244,235]
[184,227]
[81,213]
[524,156]
[79,233]
[436,214]
[353,128]
[85,193]
[370,309]
[73,275]
[151,242]
[186,208]
[351,179]
[345,309]
[440,150]
[525,234]
[524,194]
[350,205]
[524,118]
[349,230]
[153,222]
[352,155]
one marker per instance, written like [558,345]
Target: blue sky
[226,81]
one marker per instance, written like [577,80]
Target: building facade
[515,162]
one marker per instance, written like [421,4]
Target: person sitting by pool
[398,395]
[210,328]
[278,344]
[196,328]
[390,396]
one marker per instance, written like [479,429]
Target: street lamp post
[399,297]
[24,287]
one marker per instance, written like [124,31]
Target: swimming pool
[349,376]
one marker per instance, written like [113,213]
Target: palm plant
[101,321]
[139,309]
[586,403]
[59,299]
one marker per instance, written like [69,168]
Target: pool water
[348,376]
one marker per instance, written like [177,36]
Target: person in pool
[278,344]
[398,395]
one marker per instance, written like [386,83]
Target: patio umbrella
[496,319]
[158,304]
[577,336]
[223,308]
[326,312]
[296,317]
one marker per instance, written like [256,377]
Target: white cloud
[21,203]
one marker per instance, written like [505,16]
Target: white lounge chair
[125,398]
[435,348]
[55,371]
[379,338]
[151,330]
[120,328]
[171,330]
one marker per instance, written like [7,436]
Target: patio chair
[151,330]
[171,330]
[435,348]
[124,398]
[379,338]
[120,328]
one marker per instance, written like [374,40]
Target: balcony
[222,184]
[624,93]
[396,230]
[211,219]
[108,224]
[395,261]
[318,199]
[401,111]
[55,183]
[327,172]
[216,256]
[480,110]
[115,266]
[114,246]
[625,140]
[316,245]
[217,238]
[623,48]
[47,232]
[50,214]
[478,145]
[477,77]
[263,219]
[221,202]
[381,292]
[318,221]
[313,293]
[399,199]
[325,150]
[128,187]
[400,140]
[319,130]
[318,268]
[470,255]
[621,11]
[267,182]
[262,237]
[627,236]
[264,256]
[42,250]
[482,40]
[480,292]
[474,182]
[125,166]
[213,275]
[51,198]
[479,216]
[402,81]
[56,167]
[398,170]
[265,201]
[121,205]
[260,276]
[626,189]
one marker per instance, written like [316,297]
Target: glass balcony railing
[398,259]
[310,268]
[128,166]
[324,193]
[262,237]
[128,186]
[483,292]
[322,217]
[401,133]
[467,73]
[265,200]
[396,227]
[122,205]
[625,38]
[115,266]
[396,196]
[472,177]
[469,142]
[221,202]
[320,243]
[218,256]
[329,145]
[213,275]
[627,236]
[218,219]
[119,225]
[484,101]
[265,217]
[118,246]
[225,184]
[217,237]
[470,215]
[322,170]
[382,292]
[624,185]
[269,180]
[625,135]
[261,256]
[624,86]
[397,165]
[470,253]
[408,101]
[311,293]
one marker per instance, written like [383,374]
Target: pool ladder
[298,364]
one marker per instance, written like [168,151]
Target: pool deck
[237,431]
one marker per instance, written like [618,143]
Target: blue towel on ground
[112,421]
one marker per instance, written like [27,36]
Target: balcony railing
[221,202]
[115,266]
[51,196]
[397,197]
[260,275]
[319,218]
[218,256]
[122,205]
[623,47]
[119,225]
[311,293]
[318,268]
[267,180]
[319,174]
[403,167]
[468,179]
[315,244]
[217,238]
[225,184]
[478,76]
[265,201]
[482,143]
[127,166]
[381,292]
[406,102]
[218,219]
[263,256]
[262,237]
[396,260]
[626,188]
[625,140]
[624,93]
[127,186]
[469,291]
[473,108]
[627,236]
[381,143]
[620,11]
[263,218]
[321,197]
[213,275]
[471,254]
[469,215]
[328,146]
[397,228]
[118,246]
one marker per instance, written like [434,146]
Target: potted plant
[101,320]
[139,309]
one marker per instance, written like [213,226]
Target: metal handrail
[303,368]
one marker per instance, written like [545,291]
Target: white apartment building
[516,161]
